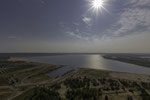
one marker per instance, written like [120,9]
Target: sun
[97,4]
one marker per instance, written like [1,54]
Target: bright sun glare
[97,5]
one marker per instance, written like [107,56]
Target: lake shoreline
[28,79]
[144,62]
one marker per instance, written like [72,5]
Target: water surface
[89,61]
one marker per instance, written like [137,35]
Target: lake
[94,61]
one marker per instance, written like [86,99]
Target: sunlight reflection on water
[89,61]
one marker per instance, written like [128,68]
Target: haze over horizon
[66,26]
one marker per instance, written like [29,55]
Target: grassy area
[5,92]
[39,94]
[4,96]
[41,75]
[5,89]
[94,73]
[83,84]
[4,81]
[87,84]
[26,95]
[38,78]
[15,73]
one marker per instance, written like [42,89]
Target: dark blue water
[88,61]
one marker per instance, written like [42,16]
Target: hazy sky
[70,26]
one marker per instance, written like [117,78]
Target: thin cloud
[88,21]
[134,18]
[77,24]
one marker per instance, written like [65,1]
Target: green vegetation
[95,73]
[87,88]
[5,89]
[21,80]
[4,96]
[145,94]
[4,81]
[19,76]
[39,93]
[76,83]
[146,85]
[83,94]
[37,78]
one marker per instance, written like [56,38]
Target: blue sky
[69,26]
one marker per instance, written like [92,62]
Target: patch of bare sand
[130,76]
[16,59]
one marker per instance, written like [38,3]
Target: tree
[106,97]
